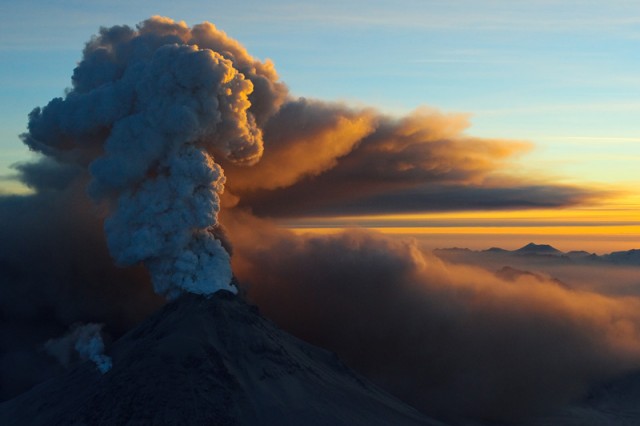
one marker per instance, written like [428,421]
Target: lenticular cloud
[149,110]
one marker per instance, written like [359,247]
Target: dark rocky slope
[210,362]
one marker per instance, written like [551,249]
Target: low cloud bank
[457,342]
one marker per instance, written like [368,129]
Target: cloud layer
[458,342]
[324,159]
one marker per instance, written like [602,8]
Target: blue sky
[563,74]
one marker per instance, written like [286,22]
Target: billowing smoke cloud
[153,105]
[458,342]
[86,341]
[325,159]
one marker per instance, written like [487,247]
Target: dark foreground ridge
[210,361]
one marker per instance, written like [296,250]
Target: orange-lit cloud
[456,341]
[324,159]
[426,144]
[304,139]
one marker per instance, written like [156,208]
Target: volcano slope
[210,361]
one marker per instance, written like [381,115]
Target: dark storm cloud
[317,198]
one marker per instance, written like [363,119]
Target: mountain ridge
[546,251]
[537,249]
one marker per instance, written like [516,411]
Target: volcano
[210,361]
[539,249]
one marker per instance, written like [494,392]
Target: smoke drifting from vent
[86,340]
[148,111]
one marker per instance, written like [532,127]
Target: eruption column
[147,114]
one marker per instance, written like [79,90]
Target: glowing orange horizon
[630,230]
[595,228]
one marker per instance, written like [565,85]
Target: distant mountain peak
[496,250]
[629,257]
[538,249]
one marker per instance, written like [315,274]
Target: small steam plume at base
[86,341]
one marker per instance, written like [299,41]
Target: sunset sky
[310,157]
[562,75]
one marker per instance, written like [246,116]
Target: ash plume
[148,111]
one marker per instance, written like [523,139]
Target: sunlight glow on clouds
[559,68]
